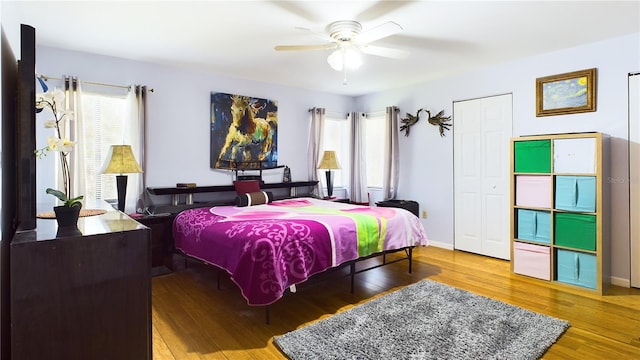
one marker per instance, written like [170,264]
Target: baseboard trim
[620,282]
[441,245]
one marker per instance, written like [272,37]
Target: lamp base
[329,174]
[121,184]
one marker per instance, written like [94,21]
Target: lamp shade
[329,161]
[120,160]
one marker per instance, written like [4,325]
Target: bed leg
[218,278]
[266,315]
[410,259]
[353,274]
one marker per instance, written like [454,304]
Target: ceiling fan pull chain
[344,65]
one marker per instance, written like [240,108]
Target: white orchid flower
[48,97]
[67,145]
[40,104]
[43,100]
[62,145]
[57,95]
[50,124]
[67,113]
[53,143]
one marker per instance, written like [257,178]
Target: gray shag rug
[426,320]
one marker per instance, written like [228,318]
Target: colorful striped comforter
[268,248]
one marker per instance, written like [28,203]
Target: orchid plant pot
[67,216]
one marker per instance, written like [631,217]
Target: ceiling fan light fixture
[345,56]
[352,58]
[335,60]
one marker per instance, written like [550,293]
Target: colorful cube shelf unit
[559,209]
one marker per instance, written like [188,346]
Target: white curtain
[392,154]
[358,183]
[134,135]
[315,144]
[73,90]
[73,129]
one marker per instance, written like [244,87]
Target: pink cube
[532,260]
[533,191]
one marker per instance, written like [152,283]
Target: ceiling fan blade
[304,47]
[384,52]
[381,31]
[380,9]
[316,33]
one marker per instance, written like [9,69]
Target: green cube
[532,156]
[577,231]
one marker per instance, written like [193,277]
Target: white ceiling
[236,38]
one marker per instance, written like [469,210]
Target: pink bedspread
[268,248]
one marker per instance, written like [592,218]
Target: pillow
[254,198]
[246,186]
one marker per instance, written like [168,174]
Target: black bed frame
[352,267]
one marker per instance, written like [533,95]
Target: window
[337,137]
[103,117]
[375,134]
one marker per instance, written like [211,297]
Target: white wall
[179,114]
[426,164]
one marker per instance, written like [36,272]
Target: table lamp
[120,160]
[329,162]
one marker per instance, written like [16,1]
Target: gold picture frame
[568,93]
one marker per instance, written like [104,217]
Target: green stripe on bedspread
[370,235]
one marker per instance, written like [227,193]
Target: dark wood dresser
[82,296]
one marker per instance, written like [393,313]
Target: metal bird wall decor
[438,120]
[409,121]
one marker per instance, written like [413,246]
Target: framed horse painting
[244,132]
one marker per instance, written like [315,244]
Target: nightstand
[161,238]
[410,205]
[335,199]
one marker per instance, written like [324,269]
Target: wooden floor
[192,319]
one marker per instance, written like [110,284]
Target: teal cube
[575,193]
[576,268]
[534,225]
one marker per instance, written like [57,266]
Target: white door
[482,134]
[634,172]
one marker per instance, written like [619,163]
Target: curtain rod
[45,78]
[339,114]
[377,112]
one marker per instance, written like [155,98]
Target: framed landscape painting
[244,132]
[568,93]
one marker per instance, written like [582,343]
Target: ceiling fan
[348,40]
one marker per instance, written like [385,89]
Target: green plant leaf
[57,193]
[76,201]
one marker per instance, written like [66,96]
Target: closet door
[482,134]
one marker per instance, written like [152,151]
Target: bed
[269,248]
